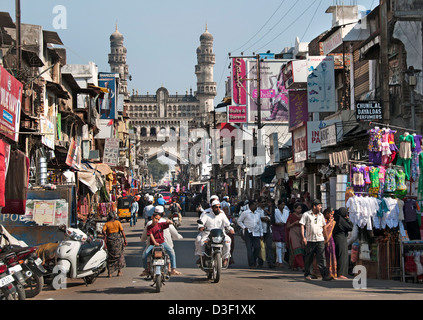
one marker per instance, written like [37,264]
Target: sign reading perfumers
[369,111]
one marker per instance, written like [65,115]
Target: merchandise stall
[384,198]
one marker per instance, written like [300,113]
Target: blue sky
[162,36]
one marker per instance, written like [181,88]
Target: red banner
[239,75]
[10,104]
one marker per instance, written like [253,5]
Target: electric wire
[311,20]
[296,20]
[292,7]
[261,27]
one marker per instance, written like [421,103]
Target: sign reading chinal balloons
[10,104]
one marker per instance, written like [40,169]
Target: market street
[237,283]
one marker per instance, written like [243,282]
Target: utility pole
[384,67]
[18,35]
[259,126]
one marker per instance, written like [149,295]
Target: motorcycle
[211,261]
[31,266]
[15,270]
[176,221]
[159,263]
[78,258]
[9,288]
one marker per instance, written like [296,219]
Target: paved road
[237,283]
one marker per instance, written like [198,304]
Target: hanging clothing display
[405,154]
[17,181]
[375,145]
[3,159]
[362,210]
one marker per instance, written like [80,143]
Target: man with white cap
[212,198]
[200,234]
[169,234]
[149,209]
[215,219]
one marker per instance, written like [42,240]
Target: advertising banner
[298,108]
[109,101]
[273,94]
[321,84]
[10,104]
[239,82]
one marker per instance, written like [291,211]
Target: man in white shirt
[313,222]
[216,219]
[226,206]
[250,222]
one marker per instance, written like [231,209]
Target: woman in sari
[294,239]
[116,241]
[330,252]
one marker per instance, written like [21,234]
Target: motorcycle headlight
[217,239]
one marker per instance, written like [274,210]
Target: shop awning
[90,177]
[57,89]
[105,90]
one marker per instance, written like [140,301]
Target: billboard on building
[273,94]
[321,84]
[10,104]
[109,101]
[298,108]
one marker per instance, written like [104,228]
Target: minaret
[206,87]
[117,60]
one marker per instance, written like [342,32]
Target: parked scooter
[10,289]
[78,258]
[31,266]
[211,261]
[159,263]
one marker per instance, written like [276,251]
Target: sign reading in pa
[369,111]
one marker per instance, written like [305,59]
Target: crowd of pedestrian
[282,234]
[297,235]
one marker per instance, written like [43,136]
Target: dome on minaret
[207,36]
[116,37]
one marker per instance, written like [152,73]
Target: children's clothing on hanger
[405,155]
[375,145]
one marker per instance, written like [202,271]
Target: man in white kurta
[216,219]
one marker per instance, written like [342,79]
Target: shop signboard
[299,137]
[328,136]
[237,114]
[109,100]
[47,128]
[111,152]
[321,84]
[368,111]
[295,74]
[291,168]
[313,134]
[10,104]
[273,94]
[298,109]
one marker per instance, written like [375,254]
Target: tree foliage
[157,169]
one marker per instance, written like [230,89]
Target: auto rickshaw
[124,207]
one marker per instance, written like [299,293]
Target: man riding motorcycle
[215,219]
